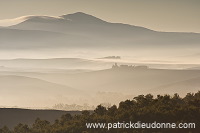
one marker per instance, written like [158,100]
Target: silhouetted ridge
[43,19]
[81,17]
[80,30]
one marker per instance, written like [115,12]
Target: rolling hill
[25,91]
[181,87]
[47,88]
[56,63]
[123,80]
[134,81]
[86,31]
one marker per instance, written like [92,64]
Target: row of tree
[69,107]
[147,109]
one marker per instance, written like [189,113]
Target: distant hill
[13,116]
[45,65]
[129,80]
[56,63]
[85,31]
[26,91]
[31,39]
[93,87]
[136,81]
[194,68]
[180,87]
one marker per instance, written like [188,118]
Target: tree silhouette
[144,108]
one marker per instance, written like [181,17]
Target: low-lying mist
[43,83]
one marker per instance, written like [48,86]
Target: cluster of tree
[70,107]
[168,109]
[115,66]
[112,57]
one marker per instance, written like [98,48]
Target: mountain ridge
[71,20]
[82,31]
[80,16]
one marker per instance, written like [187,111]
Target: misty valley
[43,83]
[59,72]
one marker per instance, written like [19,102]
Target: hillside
[145,112]
[56,63]
[123,80]
[13,116]
[31,39]
[180,87]
[24,91]
[93,32]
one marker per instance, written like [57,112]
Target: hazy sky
[161,15]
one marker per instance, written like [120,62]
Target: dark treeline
[168,109]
